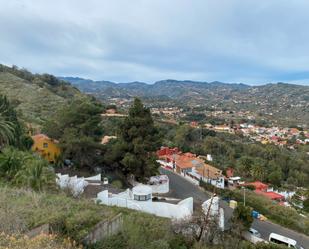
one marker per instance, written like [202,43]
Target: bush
[117,184]
[39,242]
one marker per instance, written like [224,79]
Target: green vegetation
[276,165]
[11,130]
[39,242]
[24,169]
[21,210]
[17,166]
[281,103]
[133,153]
[78,128]
[242,215]
[36,97]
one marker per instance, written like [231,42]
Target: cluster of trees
[26,75]
[78,128]
[18,165]
[251,160]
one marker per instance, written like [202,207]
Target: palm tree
[36,174]
[7,135]
[11,161]
[7,128]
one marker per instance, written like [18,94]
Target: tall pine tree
[139,140]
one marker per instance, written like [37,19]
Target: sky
[246,41]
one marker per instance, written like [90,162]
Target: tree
[25,169]
[11,161]
[258,172]
[6,132]
[306,205]
[36,174]
[242,217]
[182,137]
[11,130]
[78,128]
[139,139]
[275,177]
[7,129]
[244,165]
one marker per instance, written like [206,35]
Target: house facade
[46,147]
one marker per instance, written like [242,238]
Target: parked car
[254,232]
[282,240]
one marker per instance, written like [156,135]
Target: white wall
[182,210]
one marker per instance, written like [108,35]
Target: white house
[140,198]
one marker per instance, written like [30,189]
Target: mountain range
[286,103]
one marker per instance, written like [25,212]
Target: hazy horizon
[252,42]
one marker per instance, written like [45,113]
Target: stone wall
[104,229]
[38,230]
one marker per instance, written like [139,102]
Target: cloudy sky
[246,41]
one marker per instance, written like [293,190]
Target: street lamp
[244,196]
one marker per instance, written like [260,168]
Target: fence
[104,229]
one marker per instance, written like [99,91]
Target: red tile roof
[43,136]
[257,185]
[271,195]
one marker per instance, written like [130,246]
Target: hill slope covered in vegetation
[34,96]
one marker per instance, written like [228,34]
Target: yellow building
[48,148]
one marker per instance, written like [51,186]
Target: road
[181,188]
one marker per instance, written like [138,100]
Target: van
[282,240]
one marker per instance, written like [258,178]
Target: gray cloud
[148,40]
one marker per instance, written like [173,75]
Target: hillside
[35,96]
[23,210]
[282,102]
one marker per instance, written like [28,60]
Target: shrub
[38,242]
[117,184]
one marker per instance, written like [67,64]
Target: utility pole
[244,196]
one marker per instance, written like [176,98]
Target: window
[142,197]
[45,145]
[279,242]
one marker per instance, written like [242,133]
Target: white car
[254,232]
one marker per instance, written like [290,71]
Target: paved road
[182,188]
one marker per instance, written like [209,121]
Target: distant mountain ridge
[171,88]
[282,101]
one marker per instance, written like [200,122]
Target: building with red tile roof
[187,162]
[257,185]
[271,195]
[166,151]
